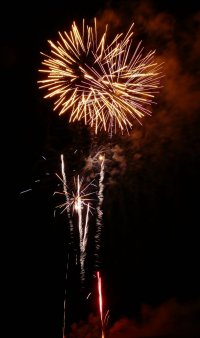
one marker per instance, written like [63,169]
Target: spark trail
[64,180]
[99,223]
[100,303]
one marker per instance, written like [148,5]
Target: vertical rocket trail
[64,180]
[100,303]
[99,212]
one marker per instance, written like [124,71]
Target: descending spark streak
[108,86]
[64,180]
[83,243]
[99,210]
[100,302]
[83,230]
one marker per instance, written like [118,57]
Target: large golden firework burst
[107,85]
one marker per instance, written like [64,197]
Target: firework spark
[106,85]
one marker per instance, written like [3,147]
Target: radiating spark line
[106,318]
[107,85]
[24,191]
[89,294]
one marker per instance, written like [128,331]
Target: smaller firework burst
[79,202]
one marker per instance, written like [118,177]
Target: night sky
[150,246]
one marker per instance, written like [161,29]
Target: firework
[107,86]
[77,201]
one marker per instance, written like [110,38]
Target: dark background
[150,247]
